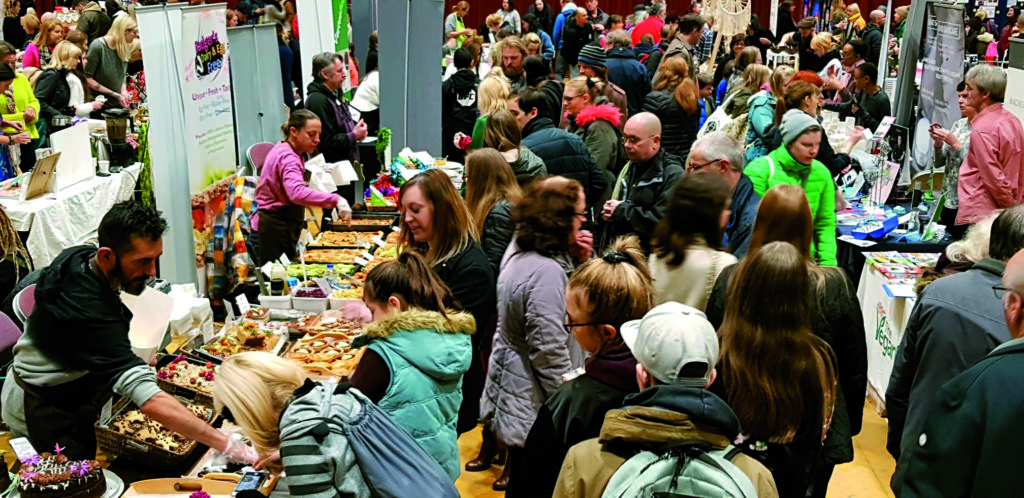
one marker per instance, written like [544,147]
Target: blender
[120,153]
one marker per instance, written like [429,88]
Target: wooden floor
[866,476]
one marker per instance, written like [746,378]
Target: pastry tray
[368,246]
[196,396]
[113,442]
[390,216]
[204,356]
[321,370]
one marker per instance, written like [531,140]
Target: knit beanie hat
[592,55]
[794,123]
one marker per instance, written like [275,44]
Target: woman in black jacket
[54,91]
[545,15]
[491,190]
[784,215]
[674,100]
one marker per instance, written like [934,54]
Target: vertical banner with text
[943,61]
[206,87]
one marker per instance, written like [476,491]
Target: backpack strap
[731,453]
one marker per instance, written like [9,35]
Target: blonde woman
[824,46]
[492,96]
[38,52]
[278,407]
[761,130]
[491,190]
[533,44]
[107,62]
[57,96]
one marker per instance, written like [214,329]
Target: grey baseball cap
[669,337]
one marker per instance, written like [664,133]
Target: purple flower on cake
[58,449]
[199,494]
[161,374]
[31,461]
[178,358]
[29,476]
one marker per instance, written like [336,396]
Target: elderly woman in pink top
[282,195]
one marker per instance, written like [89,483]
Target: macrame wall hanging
[731,17]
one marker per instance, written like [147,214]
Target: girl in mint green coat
[419,349]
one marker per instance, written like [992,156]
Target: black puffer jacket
[565,154]
[497,233]
[54,95]
[678,128]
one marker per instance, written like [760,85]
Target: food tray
[328,256]
[349,239]
[195,395]
[112,442]
[276,349]
[367,222]
[334,368]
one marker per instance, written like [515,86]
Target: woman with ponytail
[596,122]
[761,116]
[602,295]
[673,99]
[419,349]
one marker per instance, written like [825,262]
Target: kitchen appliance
[120,153]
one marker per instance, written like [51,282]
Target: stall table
[885,321]
[70,217]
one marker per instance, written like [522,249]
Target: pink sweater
[31,57]
[281,183]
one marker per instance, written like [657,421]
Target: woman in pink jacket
[282,195]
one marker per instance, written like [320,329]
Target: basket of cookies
[186,377]
[129,433]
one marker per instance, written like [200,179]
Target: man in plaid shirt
[702,51]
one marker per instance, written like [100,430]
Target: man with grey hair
[650,26]
[642,190]
[992,176]
[340,134]
[625,71]
[720,154]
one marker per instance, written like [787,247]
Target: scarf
[13,150]
[45,54]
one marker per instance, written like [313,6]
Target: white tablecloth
[885,321]
[70,217]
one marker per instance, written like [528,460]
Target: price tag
[305,238]
[396,229]
[361,261]
[230,319]
[284,260]
[377,240]
[367,256]
[363,244]
[243,303]
[208,334]
[267,268]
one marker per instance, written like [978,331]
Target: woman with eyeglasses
[603,294]
[687,255]
[595,121]
[532,350]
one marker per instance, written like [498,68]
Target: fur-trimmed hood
[439,348]
[418,319]
[606,112]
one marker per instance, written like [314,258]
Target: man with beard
[75,352]
[513,52]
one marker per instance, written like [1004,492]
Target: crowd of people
[617,287]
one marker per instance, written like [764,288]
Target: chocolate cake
[55,476]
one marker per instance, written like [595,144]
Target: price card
[305,238]
[267,268]
[361,261]
[243,303]
[230,319]
[377,240]
[284,260]
[366,256]
[208,334]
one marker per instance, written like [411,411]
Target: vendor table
[70,217]
[885,321]
[851,257]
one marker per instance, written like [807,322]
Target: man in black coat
[642,190]
[957,321]
[340,134]
[872,35]
[563,153]
[458,105]
[970,445]
[625,72]
[578,32]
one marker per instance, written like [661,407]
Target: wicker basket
[196,396]
[112,442]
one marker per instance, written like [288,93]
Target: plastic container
[276,302]
[310,304]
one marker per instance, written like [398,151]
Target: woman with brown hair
[491,190]
[737,102]
[673,99]
[532,350]
[603,294]
[39,51]
[804,93]
[835,317]
[687,254]
[762,125]
[747,57]
[502,133]
[778,378]
[436,223]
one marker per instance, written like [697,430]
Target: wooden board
[165,487]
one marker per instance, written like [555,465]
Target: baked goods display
[249,336]
[258,313]
[368,222]
[327,347]
[346,239]
[56,476]
[137,426]
[182,373]
[387,251]
[332,255]
[393,237]
[348,293]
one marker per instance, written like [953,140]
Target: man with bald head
[970,444]
[872,35]
[642,190]
[956,322]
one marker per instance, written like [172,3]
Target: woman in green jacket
[793,164]
[419,349]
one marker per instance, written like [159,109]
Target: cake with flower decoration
[56,476]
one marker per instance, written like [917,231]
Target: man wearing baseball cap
[676,350]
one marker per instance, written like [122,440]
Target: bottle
[331,276]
